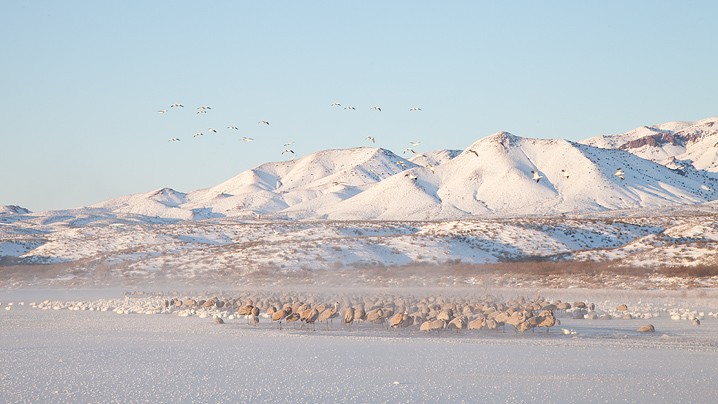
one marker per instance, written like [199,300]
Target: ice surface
[93,356]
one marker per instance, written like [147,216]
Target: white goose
[536,176]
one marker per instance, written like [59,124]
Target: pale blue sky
[81,82]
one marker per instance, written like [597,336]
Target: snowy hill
[13,210]
[679,143]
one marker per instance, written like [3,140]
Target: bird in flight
[232,127]
[174,139]
[247,139]
[198,134]
[565,173]
[619,173]
[414,109]
[350,108]
[289,144]
[336,104]
[411,176]
[409,149]
[213,130]
[536,176]
[162,111]
[401,163]
[176,106]
[376,109]
[287,151]
[263,122]
[414,143]
[371,138]
[430,167]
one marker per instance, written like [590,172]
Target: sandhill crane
[371,138]
[329,314]
[546,319]
[399,320]
[174,139]
[432,325]
[247,139]
[263,122]
[536,177]
[565,173]
[253,318]
[477,323]
[359,313]
[619,173]
[376,108]
[349,316]
[375,316]
[311,317]
[281,314]
[458,323]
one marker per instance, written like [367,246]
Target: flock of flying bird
[287,149]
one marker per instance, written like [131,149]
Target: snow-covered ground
[67,355]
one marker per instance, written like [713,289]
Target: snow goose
[619,173]
[536,177]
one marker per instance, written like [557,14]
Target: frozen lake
[92,356]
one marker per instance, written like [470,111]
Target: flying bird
[198,134]
[619,173]
[430,167]
[411,176]
[174,139]
[414,143]
[536,176]
[350,108]
[247,139]
[336,104]
[162,111]
[287,151]
[565,173]
[263,122]
[415,109]
[371,138]
[376,109]
[409,149]
[232,127]
[176,106]
[289,144]
[213,130]
[401,163]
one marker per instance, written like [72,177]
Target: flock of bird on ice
[379,311]
[287,150]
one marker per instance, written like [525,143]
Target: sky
[82,81]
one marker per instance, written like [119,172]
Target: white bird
[202,111]
[213,130]
[371,138]
[174,139]
[287,151]
[536,176]
[619,173]
[350,108]
[289,144]
[415,109]
[409,149]
[565,173]
[336,104]
[162,111]
[205,107]
[232,127]
[430,167]
[176,106]
[411,176]
[706,187]
[376,109]
[414,143]
[198,134]
[247,139]
[401,163]
[263,122]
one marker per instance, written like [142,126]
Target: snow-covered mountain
[493,176]
[677,144]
